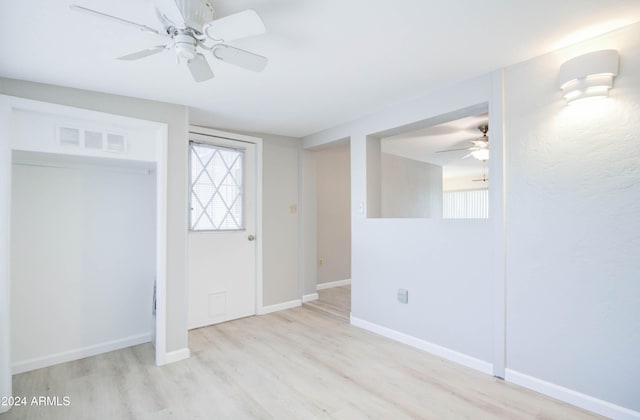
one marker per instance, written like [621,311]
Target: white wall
[280,219]
[333,203]
[445,264]
[83,257]
[175,116]
[573,230]
[572,236]
[410,188]
[373,174]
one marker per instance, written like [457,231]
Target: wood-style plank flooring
[335,302]
[294,364]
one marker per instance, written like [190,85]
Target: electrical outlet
[403,296]
[321,261]
[293,208]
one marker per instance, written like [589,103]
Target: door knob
[251,238]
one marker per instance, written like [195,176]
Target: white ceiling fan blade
[199,68]
[114,18]
[235,26]
[241,58]
[453,150]
[144,53]
[168,10]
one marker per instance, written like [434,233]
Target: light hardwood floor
[335,301]
[294,364]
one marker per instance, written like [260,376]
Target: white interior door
[222,229]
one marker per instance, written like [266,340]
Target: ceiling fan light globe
[184,54]
[482,154]
[185,46]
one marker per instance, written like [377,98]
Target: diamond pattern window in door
[216,187]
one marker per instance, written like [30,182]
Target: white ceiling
[424,145]
[331,61]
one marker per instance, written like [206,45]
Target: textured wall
[573,231]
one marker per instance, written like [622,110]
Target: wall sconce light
[589,75]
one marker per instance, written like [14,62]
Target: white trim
[570,396]
[330,284]
[160,333]
[177,355]
[259,243]
[79,353]
[418,343]
[301,212]
[497,217]
[5,260]
[309,297]
[280,307]
[212,132]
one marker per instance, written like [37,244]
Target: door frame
[212,132]
[159,131]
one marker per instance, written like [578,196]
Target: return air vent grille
[69,136]
[91,140]
[116,143]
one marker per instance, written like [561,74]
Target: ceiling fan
[191,30]
[483,179]
[480,148]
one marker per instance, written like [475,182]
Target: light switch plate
[403,296]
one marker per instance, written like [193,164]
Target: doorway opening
[88,244]
[332,166]
[82,256]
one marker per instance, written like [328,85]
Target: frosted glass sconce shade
[589,75]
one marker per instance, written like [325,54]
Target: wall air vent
[68,136]
[93,140]
[116,143]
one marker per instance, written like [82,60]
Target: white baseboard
[330,284]
[435,349]
[280,307]
[310,297]
[81,353]
[177,355]
[570,396]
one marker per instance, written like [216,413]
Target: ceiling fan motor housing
[196,12]
[185,46]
